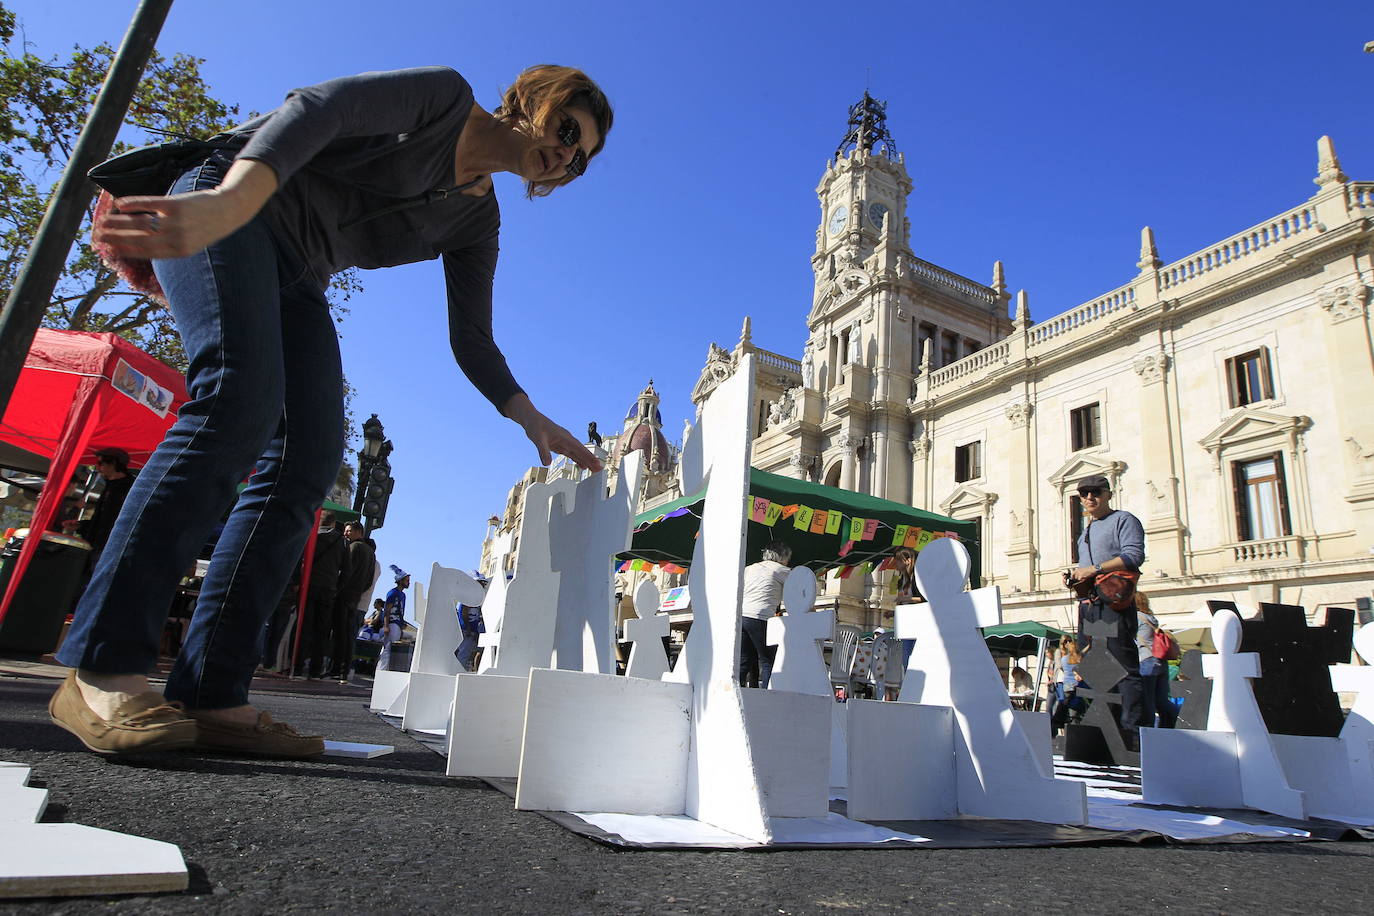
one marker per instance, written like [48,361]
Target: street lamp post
[374,472]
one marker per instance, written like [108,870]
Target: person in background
[373,628]
[329,565]
[1067,680]
[358,574]
[907,592]
[393,616]
[1113,540]
[471,624]
[112,464]
[762,596]
[1154,672]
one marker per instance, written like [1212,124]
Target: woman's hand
[180,225]
[548,437]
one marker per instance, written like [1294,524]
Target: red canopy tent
[77,393]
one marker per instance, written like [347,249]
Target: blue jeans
[1155,700]
[266,396]
[466,649]
[755,651]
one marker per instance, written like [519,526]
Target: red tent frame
[79,392]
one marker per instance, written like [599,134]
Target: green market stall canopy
[1019,640]
[826,527]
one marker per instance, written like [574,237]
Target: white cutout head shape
[468,590]
[1364,643]
[799,590]
[1226,632]
[646,599]
[941,568]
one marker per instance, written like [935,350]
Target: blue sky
[1044,135]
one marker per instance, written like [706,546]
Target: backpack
[1164,647]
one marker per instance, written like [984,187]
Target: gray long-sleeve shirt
[1117,534]
[344,150]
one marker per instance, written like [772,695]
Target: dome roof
[656,453]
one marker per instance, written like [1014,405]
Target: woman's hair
[905,579]
[778,552]
[1069,648]
[540,93]
[1142,602]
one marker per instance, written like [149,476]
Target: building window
[949,348]
[1248,377]
[1075,526]
[971,347]
[968,462]
[1261,499]
[1085,423]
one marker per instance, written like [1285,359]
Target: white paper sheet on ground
[599,742]
[441,633]
[685,831]
[494,604]
[586,530]
[645,633]
[901,761]
[722,784]
[20,803]
[1181,825]
[487,727]
[1357,735]
[999,772]
[428,702]
[72,860]
[800,664]
[386,687]
[354,749]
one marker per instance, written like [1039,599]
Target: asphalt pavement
[395,835]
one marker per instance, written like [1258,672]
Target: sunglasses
[569,133]
[1094,491]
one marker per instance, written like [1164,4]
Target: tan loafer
[148,722]
[264,738]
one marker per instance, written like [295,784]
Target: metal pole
[33,288]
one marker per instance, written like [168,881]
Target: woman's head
[906,559]
[542,101]
[778,552]
[1142,602]
[1069,648]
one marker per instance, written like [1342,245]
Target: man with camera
[1111,550]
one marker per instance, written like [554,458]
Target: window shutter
[1267,383]
[1242,507]
[1283,494]
[1232,395]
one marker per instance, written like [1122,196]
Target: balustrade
[938,276]
[1268,551]
[1087,313]
[1240,246]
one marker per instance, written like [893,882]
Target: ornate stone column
[920,480]
[1164,529]
[801,465]
[849,467]
[1021,550]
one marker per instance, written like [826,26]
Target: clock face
[876,212]
[838,218]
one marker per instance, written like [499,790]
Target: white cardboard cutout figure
[722,786]
[587,529]
[1235,760]
[494,604]
[647,656]
[433,667]
[1357,735]
[800,664]
[998,772]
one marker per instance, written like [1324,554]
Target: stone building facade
[1228,396]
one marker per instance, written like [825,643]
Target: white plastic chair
[843,647]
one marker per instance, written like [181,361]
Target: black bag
[150,170]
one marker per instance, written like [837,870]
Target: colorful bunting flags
[870,528]
[802,520]
[899,535]
[832,524]
[846,547]
[856,529]
[818,521]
